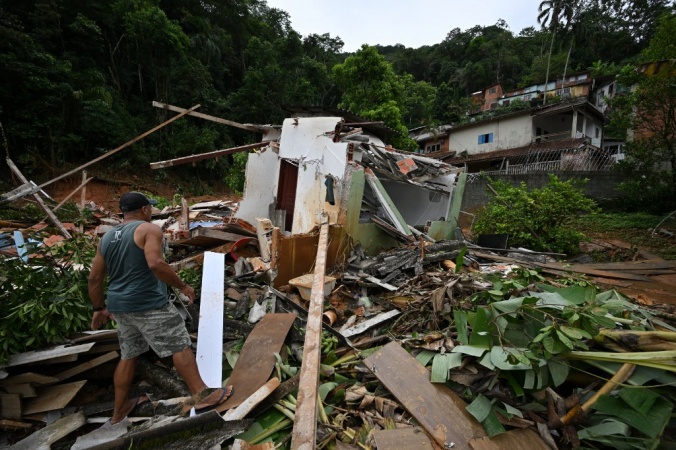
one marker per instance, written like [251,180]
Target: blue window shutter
[481,139]
[490,137]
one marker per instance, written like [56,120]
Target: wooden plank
[55,220]
[254,399]
[104,348]
[210,333]
[209,237]
[44,355]
[257,359]
[44,438]
[436,407]
[517,439]
[25,390]
[94,336]
[58,359]
[6,424]
[304,432]
[263,228]
[243,126]
[10,406]
[28,377]
[402,439]
[53,397]
[87,365]
[123,146]
[594,272]
[203,156]
[631,265]
[373,321]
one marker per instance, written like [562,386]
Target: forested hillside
[79,76]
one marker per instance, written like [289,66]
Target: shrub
[45,300]
[541,219]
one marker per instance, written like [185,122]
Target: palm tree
[551,14]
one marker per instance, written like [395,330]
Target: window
[598,133]
[491,90]
[526,98]
[505,103]
[566,90]
[432,148]
[485,138]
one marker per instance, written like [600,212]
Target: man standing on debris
[131,253]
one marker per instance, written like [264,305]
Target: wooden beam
[10,406]
[254,399]
[243,126]
[84,183]
[87,365]
[28,377]
[439,410]
[83,195]
[45,437]
[25,390]
[304,431]
[121,147]
[373,321]
[263,228]
[203,156]
[210,333]
[44,355]
[41,202]
[256,361]
[53,397]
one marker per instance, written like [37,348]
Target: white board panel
[210,332]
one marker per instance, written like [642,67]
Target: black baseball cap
[131,201]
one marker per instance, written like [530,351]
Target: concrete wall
[601,185]
[508,132]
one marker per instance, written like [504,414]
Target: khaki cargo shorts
[161,329]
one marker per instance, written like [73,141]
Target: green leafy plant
[540,219]
[45,300]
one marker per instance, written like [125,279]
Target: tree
[649,112]
[553,13]
[371,89]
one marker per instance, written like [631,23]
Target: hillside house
[546,137]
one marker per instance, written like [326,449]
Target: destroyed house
[374,196]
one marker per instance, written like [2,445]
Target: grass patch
[635,229]
[619,221]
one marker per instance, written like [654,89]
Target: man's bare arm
[150,240]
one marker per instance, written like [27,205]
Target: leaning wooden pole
[41,202]
[305,423]
[123,146]
[68,197]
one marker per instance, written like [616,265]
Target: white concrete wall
[509,132]
[308,141]
[260,186]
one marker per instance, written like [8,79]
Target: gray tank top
[132,286]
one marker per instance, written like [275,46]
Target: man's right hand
[100,318]
[189,292]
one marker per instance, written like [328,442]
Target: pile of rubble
[463,321]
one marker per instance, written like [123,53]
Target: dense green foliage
[650,109]
[45,300]
[78,78]
[541,219]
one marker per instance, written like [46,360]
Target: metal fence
[569,160]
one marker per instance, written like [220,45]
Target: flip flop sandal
[208,404]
